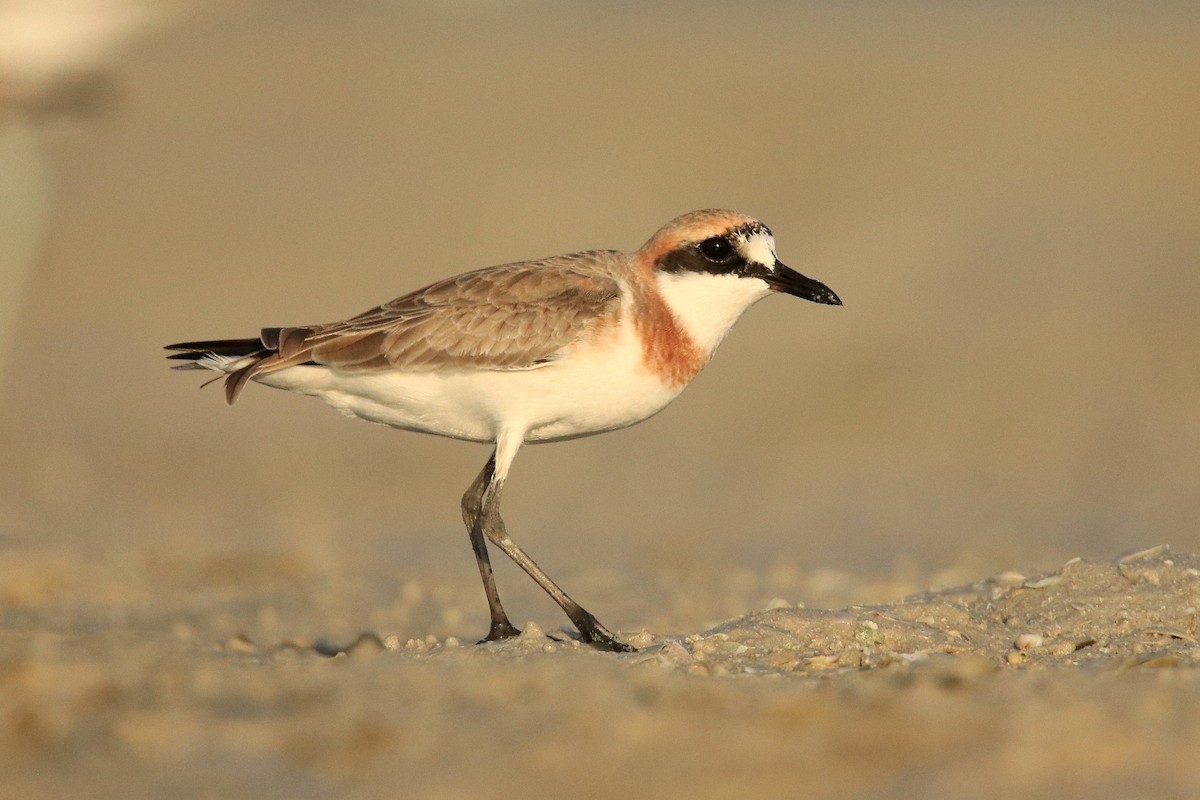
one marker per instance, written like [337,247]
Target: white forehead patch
[759,247]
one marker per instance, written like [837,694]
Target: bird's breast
[667,350]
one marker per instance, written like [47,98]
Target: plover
[530,352]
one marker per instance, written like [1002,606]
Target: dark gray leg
[472,508]
[590,629]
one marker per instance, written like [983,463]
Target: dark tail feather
[229,348]
[216,347]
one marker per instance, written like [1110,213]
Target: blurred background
[1007,199]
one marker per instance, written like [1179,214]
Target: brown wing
[514,316]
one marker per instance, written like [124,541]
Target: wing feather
[510,317]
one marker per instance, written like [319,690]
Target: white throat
[706,305]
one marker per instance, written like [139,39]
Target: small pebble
[1028,641]
[1060,649]
[674,653]
[822,662]
[1008,578]
[868,633]
[240,644]
[532,631]
[642,638]
[778,602]
[298,644]
[1143,555]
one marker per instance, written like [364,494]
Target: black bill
[785,279]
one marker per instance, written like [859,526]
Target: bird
[530,352]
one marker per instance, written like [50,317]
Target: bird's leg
[590,629]
[472,509]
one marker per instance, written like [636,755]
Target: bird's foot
[501,629]
[595,634]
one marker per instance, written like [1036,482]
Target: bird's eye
[717,248]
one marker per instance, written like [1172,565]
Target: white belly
[597,387]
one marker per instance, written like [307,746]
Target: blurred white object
[54,61]
[54,53]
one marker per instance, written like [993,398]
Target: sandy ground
[1005,198]
[1080,682]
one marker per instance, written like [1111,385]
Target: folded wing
[511,317]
